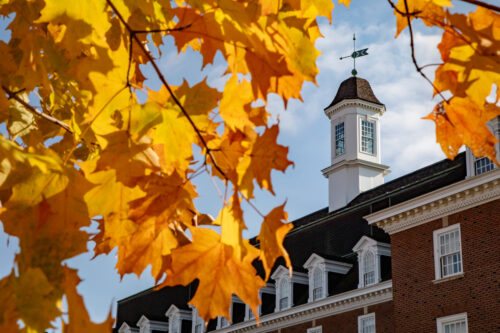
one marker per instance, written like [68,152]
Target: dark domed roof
[355,88]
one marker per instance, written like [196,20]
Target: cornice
[451,199]
[354,102]
[379,167]
[351,300]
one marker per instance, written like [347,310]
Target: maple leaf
[271,237]
[79,320]
[226,273]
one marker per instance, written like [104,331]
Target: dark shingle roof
[355,88]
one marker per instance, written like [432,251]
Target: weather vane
[355,54]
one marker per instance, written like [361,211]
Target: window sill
[448,278]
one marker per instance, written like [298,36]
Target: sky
[407,141]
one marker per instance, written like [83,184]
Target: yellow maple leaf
[226,273]
[271,237]
[78,319]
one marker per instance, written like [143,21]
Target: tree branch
[402,13]
[13,95]
[483,4]
[413,57]
[164,82]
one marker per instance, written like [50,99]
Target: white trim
[124,328]
[147,326]
[283,274]
[175,314]
[267,289]
[314,262]
[316,329]
[348,301]
[354,102]
[367,245]
[448,200]
[196,319]
[363,317]
[440,322]
[437,254]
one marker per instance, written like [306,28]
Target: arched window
[369,269]
[284,294]
[317,283]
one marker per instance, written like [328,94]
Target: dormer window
[284,294]
[147,326]
[176,317]
[127,329]
[285,286]
[317,284]
[319,268]
[265,294]
[370,253]
[367,136]
[339,139]
[198,323]
[369,269]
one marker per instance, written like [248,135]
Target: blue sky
[408,142]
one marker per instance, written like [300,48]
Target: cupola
[356,167]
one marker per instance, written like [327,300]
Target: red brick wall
[418,301]
[347,322]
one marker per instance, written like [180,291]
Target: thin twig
[414,59]
[483,4]
[251,205]
[215,185]
[429,65]
[162,30]
[164,81]
[45,116]
[403,13]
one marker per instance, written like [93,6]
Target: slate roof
[355,88]
[328,234]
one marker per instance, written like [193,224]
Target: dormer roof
[355,88]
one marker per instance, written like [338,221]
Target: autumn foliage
[82,145]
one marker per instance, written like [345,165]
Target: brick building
[420,253]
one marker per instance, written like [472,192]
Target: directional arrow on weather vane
[355,54]
[359,53]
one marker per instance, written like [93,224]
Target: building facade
[420,253]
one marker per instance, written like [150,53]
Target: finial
[355,54]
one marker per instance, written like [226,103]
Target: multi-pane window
[448,251]
[482,165]
[339,139]
[317,284]
[367,137]
[224,322]
[369,269]
[366,323]
[198,328]
[452,324]
[284,294]
[317,329]
[450,258]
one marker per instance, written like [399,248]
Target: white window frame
[267,289]
[174,314]
[437,254]
[362,318]
[373,268]
[325,266]
[283,274]
[196,320]
[441,322]
[316,329]
[378,249]
[374,123]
